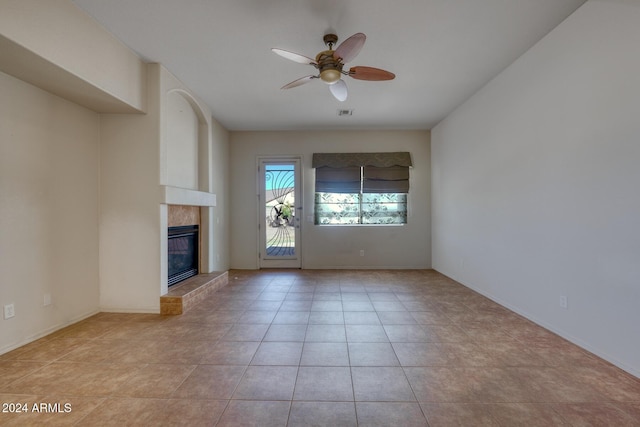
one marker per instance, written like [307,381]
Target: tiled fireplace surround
[185,295]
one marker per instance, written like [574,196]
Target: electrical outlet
[46,299]
[361,252]
[9,311]
[564,301]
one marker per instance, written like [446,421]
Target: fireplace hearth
[182,253]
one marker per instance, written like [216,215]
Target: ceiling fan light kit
[330,68]
[330,63]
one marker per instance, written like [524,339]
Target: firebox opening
[182,253]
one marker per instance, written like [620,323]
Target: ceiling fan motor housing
[330,68]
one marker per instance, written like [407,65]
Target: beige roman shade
[380,160]
[381,172]
[338,180]
[392,179]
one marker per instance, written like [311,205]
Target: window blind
[366,172]
[392,179]
[342,160]
[338,180]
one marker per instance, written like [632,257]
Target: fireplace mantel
[181,196]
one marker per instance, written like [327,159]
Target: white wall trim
[558,331]
[47,331]
[146,310]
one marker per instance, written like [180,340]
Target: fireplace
[182,253]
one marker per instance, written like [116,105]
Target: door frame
[263,260]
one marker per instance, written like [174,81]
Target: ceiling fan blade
[294,56]
[299,82]
[370,73]
[339,90]
[349,48]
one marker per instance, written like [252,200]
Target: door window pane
[280,210]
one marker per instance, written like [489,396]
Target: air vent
[345,112]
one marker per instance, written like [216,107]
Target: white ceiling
[442,51]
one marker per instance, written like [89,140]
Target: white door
[279,216]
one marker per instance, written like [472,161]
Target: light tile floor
[334,348]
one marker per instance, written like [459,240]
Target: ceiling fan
[329,64]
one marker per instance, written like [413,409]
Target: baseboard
[47,331]
[145,310]
[597,352]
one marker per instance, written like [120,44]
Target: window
[361,188]
[361,208]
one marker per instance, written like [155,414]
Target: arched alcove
[185,169]
[182,141]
